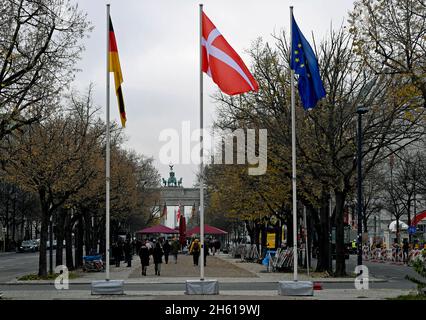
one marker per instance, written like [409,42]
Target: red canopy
[158,229]
[207,230]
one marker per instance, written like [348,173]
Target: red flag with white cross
[222,63]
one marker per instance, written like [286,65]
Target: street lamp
[360,110]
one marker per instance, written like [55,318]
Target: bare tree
[40,42]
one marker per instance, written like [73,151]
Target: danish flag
[222,63]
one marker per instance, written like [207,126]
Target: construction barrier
[414,255]
[375,255]
[383,255]
[397,256]
[365,253]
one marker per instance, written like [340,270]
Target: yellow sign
[270,239]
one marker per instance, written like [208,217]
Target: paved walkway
[184,268]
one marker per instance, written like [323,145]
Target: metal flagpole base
[107,287]
[194,287]
[295,288]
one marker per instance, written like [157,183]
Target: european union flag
[305,64]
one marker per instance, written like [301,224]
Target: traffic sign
[412,230]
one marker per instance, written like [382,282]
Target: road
[14,265]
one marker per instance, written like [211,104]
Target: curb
[243,280]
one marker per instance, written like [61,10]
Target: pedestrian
[175,248]
[116,254]
[195,251]
[138,246]
[217,245]
[206,253]
[144,256]
[128,252]
[211,246]
[405,249]
[157,254]
[166,249]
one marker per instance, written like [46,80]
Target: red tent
[207,230]
[157,229]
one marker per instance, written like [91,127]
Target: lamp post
[360,110]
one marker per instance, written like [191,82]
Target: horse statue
[164,182]
[180,182]
[172,180]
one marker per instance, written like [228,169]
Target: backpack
[196,247]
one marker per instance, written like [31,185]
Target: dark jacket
[175,247]
[157,254]
[166,247]
[127,250]
[144,255]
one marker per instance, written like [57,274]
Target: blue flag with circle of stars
[305,64]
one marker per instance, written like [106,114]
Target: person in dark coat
[128,252]
[405,250]
[157,254]
[206,253]
[175,248]
[144,256]
[138,246]
[166,249]
[217,245]
[116,253]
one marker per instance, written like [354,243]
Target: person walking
[206,253]
[157,254]
[128,252]
[144,256]
[195,251]
[217,245]
[116,253]
[211,246]
[405,249]
[175,248]
[166,249]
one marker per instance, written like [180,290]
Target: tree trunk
[60,221]
[264,238]
[68,242]
[290,231]
[278,234]
[42,259]
[340,234]
[88,233]
[322,226]
[257,236]
[45,217]
[79,238]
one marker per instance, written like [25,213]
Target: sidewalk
[221,267]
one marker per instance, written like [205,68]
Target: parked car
[28,246]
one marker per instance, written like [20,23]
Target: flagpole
[293,157]
[201,149]
[107,161]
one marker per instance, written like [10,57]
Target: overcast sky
[158,48]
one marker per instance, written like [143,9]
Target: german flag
[114,66]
